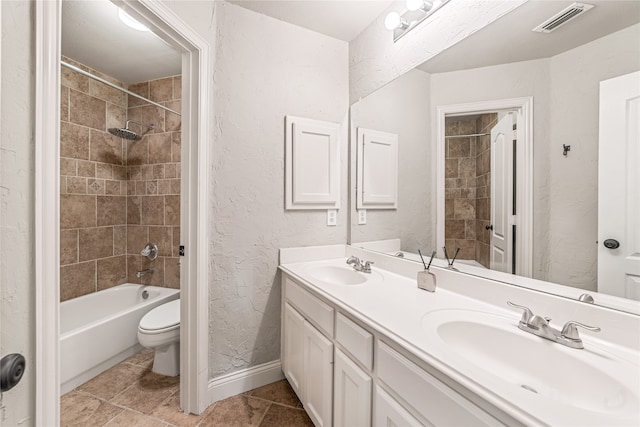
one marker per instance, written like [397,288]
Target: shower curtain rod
[108,83]
[467,136]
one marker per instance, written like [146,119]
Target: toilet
[159,330]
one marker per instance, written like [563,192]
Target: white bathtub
[99,330]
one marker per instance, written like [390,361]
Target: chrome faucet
[150,251]
[144,272]
[357,265]
[538,325]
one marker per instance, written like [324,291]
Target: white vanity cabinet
[307,354]
[347,376]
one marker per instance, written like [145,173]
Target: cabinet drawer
[311,307]
[431,398]
[356,340]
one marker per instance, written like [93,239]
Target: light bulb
[425,5]
[130,21]
[392,21]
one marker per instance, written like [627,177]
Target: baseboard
[244,380]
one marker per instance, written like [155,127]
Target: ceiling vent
[562,17]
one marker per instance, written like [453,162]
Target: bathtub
[99,330]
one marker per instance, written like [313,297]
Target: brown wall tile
[177,87]
[73,80]
[116,116]
[68,247]
[141,89]
[176,241]
[161,90]
[152,210]
[172,210]
[86,168]
[173,122]
[160,148]
[111,272]
[64,104]
[104,170]
[176,144]
[74,141]
[161,236]
[111,210]
[107,93]
[95,186]
[76,185]
[120,240]
[138,152]
[87,111]
[77,280]
[77,211]
[464,209]
[68,167]
[106,148]
[454,229]
[133,210]
[137,238]
[94,243]
[172,273]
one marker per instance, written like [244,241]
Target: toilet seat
[164,318]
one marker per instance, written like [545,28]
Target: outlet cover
[362,216]
[332,217]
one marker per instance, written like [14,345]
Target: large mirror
[499,143]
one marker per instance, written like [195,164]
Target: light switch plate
[332,217]
[362,216]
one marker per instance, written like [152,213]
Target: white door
[318,376]
[502,136]
[619,187]
[292,364]
[351,393]
[389,413]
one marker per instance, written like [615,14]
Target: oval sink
[339,275]
[589,379]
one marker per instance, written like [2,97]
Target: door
[501,247]
[619,187]
[292,363]
[318,376]
[351,393]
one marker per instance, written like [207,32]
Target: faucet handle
[569,330]
[527,314]
[353,259]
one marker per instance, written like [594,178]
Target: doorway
[483,180]
[193,188]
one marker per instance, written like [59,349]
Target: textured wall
[92,184]
[153,186]
[375,60]
[401,107]
[17,278]
[264,70]
[573,195]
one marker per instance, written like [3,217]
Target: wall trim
[524,203]
[247,379]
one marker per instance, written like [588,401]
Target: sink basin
[340,275]
[590,379]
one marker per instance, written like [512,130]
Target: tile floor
[129,394]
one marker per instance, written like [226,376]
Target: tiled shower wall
[468,187]
[153,187]
[95,183]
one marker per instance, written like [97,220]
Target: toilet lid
[162,317]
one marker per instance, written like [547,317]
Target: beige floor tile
[278,416]
[82,410]
[144,358]
[146,394]
[129,419]
[278,392]
[237,411]
[112,382]
[170,412]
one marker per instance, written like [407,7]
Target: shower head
[127,133]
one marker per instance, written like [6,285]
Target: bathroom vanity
[364,349]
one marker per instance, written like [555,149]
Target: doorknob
[488,227]
[11,370]
[611,244]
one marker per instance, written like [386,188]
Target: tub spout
[144,272]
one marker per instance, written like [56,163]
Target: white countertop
[397,308]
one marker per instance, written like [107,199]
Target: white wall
[264,69]
[375,60]
[401,107]
[17,278]
[573,180]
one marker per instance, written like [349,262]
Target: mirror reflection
[512,147]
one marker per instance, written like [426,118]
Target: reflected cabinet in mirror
[518,148]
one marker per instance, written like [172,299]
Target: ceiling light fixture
[418,11]
[129,21]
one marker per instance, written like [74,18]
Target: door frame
[197,99]
[524,174]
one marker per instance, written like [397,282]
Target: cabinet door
[293,361]
[351,393]
[318,376]
[390,413]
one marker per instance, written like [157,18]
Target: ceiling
[340,19]
[93,35]
[510,39]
